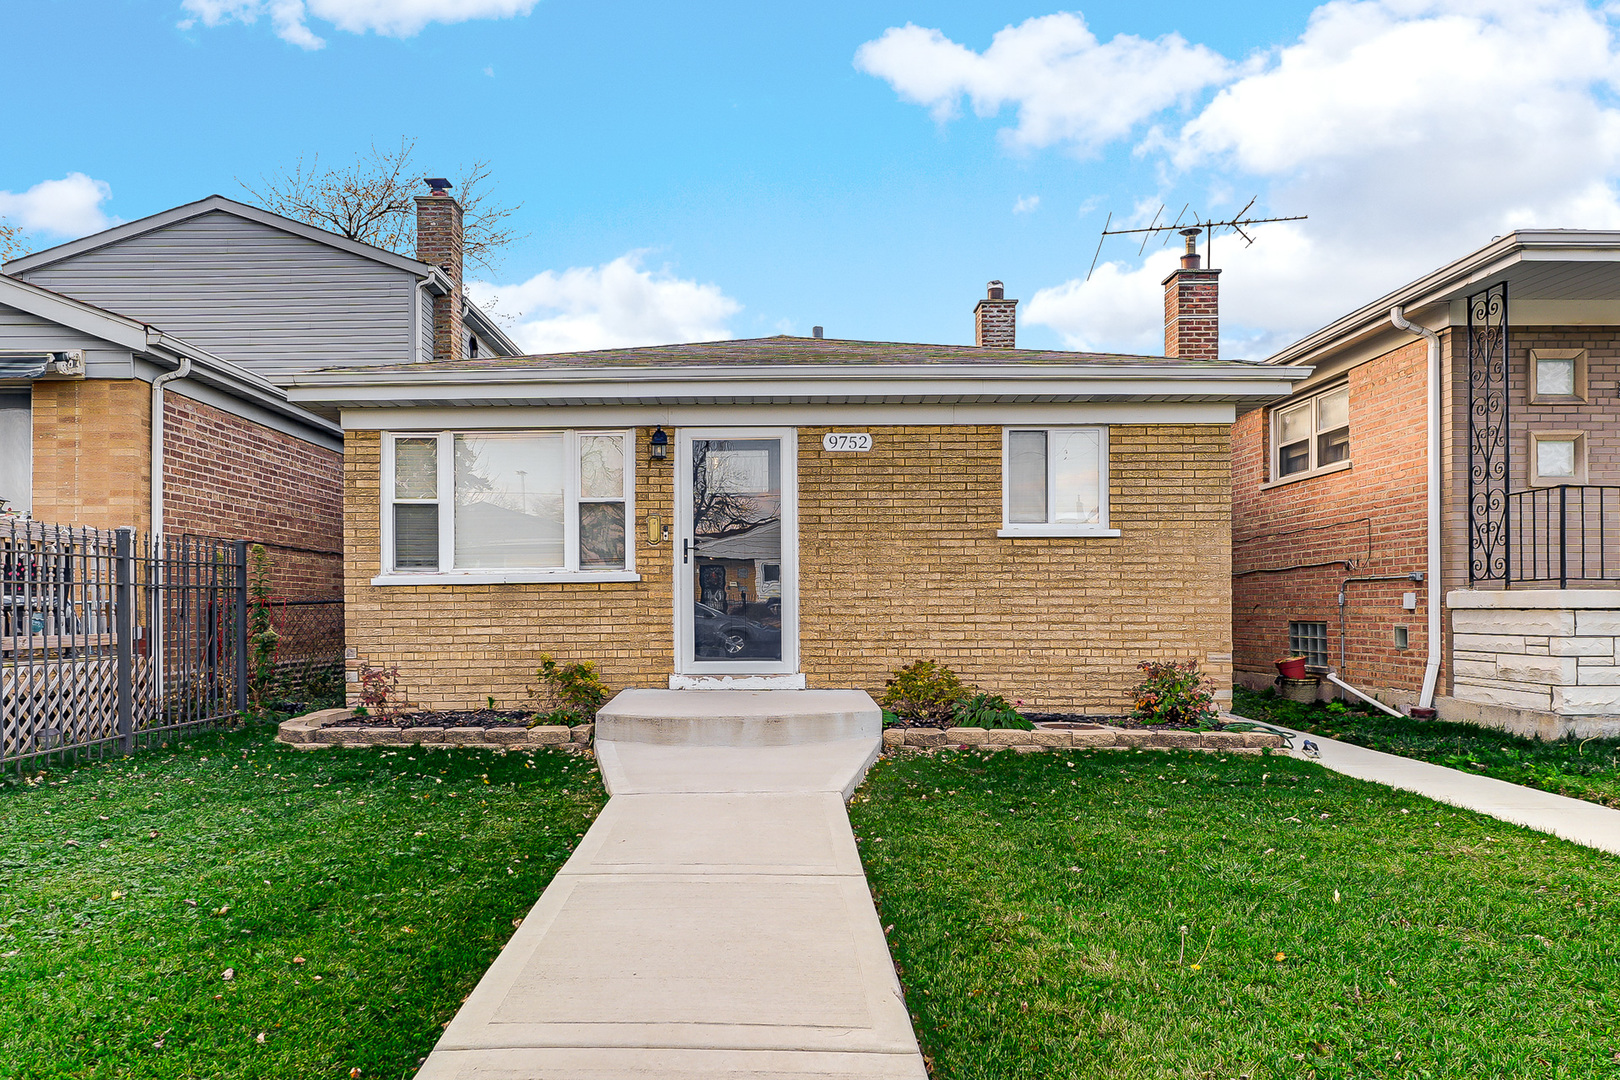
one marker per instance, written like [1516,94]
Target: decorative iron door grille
[1488,532]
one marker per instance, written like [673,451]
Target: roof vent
[815,332]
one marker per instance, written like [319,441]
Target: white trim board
[1035,413]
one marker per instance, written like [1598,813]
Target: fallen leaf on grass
[230,973]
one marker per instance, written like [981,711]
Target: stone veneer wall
[1542,662]
[899,561]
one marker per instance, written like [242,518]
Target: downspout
[1431,671]
[157,438]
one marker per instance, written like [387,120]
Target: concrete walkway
[1571,819]
[714,921]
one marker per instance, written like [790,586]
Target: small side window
[1312,434]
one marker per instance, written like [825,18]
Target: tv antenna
[1189,229]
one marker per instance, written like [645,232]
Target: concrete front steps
[739,717]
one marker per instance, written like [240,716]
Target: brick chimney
[439,243]
[995,319]
[1192,322]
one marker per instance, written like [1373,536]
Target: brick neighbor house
[789,512]
[1435,513]
[141,371]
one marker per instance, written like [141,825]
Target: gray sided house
[272,294]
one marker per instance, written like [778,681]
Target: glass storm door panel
[736,552]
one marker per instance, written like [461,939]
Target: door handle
[686,547]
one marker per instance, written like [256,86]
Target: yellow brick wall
[93,452]
[899,560]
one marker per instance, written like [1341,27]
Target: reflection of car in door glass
[734,637]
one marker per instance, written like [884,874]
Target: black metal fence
[111,638]
[1564,534]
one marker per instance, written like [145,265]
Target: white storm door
[736,551]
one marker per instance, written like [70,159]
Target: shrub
[1174,692]
[985,710]
[379,694]
[568,693]
[923,691]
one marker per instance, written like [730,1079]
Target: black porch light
[660,444]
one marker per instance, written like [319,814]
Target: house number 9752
[846,441]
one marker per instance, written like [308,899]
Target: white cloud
[1026,204]
[615,305]
[70,206]
[1410,131]
[1066,85]
[391,18]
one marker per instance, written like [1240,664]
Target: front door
[737,602]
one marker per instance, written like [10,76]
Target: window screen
[1309,639]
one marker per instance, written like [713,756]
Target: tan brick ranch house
[790,512]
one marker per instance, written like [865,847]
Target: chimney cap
[995,291]
[438,184]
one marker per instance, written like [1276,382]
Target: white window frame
[447,574]
[1016,528]
[1533,466]
[1313,401]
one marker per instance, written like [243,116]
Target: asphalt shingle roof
[771,351]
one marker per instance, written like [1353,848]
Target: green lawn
[355,896]
[1580,768]
[1149,914]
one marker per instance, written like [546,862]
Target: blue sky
[732,169]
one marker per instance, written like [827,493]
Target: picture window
[495,501]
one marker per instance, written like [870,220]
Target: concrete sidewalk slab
[698,961]
[804,833]
[572,1063]
[1570,819]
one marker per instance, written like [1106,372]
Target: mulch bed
[480,718]
[1058,721]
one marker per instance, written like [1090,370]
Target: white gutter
[157,436]
[1431,670]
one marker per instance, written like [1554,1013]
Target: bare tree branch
[372,200]
[10,241]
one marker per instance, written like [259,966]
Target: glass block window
[1309,639]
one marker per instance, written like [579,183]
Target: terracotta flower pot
[1291,667]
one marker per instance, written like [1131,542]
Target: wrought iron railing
[1563,534]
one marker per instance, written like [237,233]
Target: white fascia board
[207,206]
[787,386]
[485,327]
[1443,285]
[73,314]
[510,418]
[237,382]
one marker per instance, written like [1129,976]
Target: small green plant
[568,693]
[262,636]
[923,691]
[986,710]
[490,702]
[379,694]
[1174,692]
